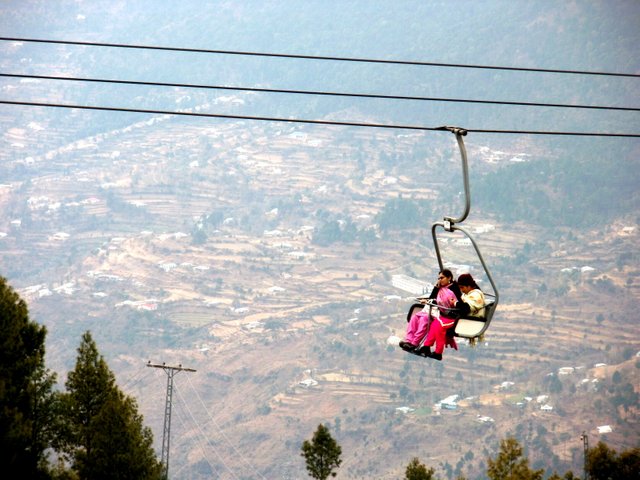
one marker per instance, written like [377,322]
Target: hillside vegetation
[261,254]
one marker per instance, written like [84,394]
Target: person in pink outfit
[437,335]
[419,322]
[471,304]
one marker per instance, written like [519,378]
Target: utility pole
[166,432]
[585,446]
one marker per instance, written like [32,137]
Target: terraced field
[194,244]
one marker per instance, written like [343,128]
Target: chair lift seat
[472,327]
[466,327]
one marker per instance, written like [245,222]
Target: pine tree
[26,389]
[131,456]
[418,471]
[105,436]
[601,462]
[322,454]
[604,463]
[629,463]
[46,415]
[509,464]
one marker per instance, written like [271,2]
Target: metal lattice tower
[166,431]
[585,445]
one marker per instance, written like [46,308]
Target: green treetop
[322,454]
[418,471]
[105,436]
[26,395]
[510,464]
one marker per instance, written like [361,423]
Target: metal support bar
[449,221]
[475,246]
[496,297]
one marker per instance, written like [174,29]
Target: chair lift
[467,326]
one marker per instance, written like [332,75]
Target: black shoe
[409,347]
[424,351]
[436,356]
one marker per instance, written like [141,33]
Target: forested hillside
[575,189]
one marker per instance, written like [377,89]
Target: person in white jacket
[472,301]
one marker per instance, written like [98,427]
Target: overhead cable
[309,121]
[317,57]
[315,92]
[185,465]
[204,436]
[237,453]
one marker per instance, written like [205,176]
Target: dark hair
[447,273]
[466,280]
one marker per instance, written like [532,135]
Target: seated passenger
[472,301]
[420,321]
[470,305]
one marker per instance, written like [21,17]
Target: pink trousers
[417,327]
[438,334]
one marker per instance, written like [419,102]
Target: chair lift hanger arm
[459,133]
[475,246]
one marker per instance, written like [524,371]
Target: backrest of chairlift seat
[473,327]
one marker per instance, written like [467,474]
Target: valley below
[254,254]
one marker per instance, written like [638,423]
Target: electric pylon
[166,432]
[585,448]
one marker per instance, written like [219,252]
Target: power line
[566,134]
[313,122]
[198,440]
[208,441]
[318,57]
[315,92]
[185,428]
[238,454]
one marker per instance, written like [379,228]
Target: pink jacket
[446,298]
